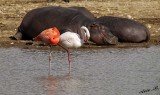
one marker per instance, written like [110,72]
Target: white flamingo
[72,40]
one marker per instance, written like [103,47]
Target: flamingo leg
[50,55]
[69,61]
[68,52]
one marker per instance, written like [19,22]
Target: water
[110,71]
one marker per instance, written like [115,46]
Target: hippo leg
[17,36]
[148,35]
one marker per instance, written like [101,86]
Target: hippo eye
[94,25]
[102,28]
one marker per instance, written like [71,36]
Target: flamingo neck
[86,34]
[54,41]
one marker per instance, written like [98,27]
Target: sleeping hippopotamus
[126,30]
[71,18]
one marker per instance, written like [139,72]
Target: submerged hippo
[125,29]
[65,19]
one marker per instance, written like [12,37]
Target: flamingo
[66,40]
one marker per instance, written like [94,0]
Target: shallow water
[110,71]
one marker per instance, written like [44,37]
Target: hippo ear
[93,24]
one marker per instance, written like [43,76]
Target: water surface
[109,71]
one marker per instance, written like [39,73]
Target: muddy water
[132,71]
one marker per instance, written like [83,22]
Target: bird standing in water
[66,40]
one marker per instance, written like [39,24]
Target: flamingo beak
[83,35]
[85,39]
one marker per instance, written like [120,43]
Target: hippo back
[65,19]
[84,11]
[37,20]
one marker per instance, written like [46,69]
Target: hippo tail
[18,35]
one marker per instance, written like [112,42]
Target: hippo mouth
[104,40]
[109,39]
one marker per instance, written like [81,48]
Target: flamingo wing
[70,40]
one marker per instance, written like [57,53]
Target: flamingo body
[49,36]
[70,40]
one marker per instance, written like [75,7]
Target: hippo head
[101,35]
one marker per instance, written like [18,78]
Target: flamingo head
[55,36]
[49,36]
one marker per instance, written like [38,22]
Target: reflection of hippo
[65,19]
[125,29]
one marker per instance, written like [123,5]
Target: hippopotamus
[126,30]
[65,19]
